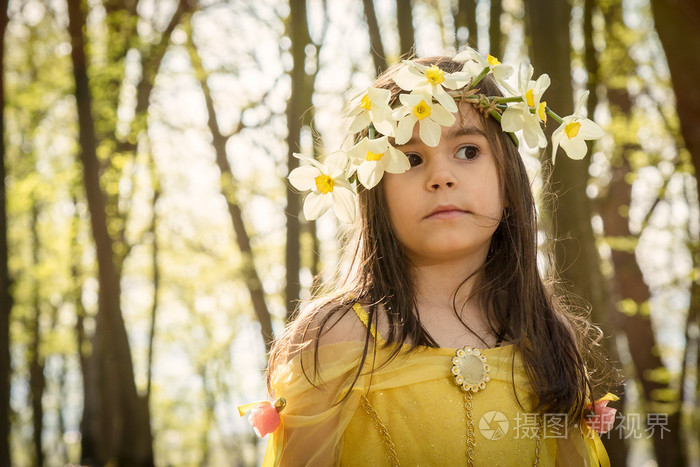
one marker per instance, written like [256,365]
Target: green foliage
[208,356]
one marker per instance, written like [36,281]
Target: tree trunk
[153,230]
[495,34]
[677,25]
[375,37]
[228,190]
[576,253]
[466,18]
[5,281]
[628,283]
[404,23]
[299,102]
[37,381]
[116,422]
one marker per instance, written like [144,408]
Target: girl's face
[449,204]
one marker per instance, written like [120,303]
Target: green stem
[505,100]
[478,78]
[551,113]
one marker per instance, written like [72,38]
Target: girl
[443,345]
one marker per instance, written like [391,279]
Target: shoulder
[325,322]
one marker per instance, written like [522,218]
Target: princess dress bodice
[410,411]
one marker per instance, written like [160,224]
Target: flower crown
[430,102]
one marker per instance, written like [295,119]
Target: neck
[437,282]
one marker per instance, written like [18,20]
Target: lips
[446,211]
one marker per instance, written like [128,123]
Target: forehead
[468,116]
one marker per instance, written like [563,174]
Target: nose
[440,175]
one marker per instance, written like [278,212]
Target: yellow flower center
[541,111]
[435,75]
[493,61]
[530,98]
[571,129]
[366,103]
[324,184]
[374,157]
[422,110]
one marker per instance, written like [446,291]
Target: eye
[467,152]
[414,159]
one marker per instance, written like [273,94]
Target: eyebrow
[468,130]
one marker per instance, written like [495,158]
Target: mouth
[446,212]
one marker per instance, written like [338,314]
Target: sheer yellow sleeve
[313,420]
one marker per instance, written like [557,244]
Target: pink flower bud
[603,419]
[264,418]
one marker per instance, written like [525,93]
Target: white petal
[406,79]
[359,122]
[441,115]
[445,99]
[575,148]
[405,128]
[310,160]
[502,73]
[541,86]
[304,178]
[386,126]
[370,173]
[378,145]
[534,136]
[512,119]
[344,205]
[357,153]
[470,54]
[413,99]
[590,130]
[556,138]
[581,102]
[316,204]
[336,163]
[378,95]
[430,132]
[397,161]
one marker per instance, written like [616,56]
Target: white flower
[475,63]
[373,107]
[419,107]
[532,91]
[574,131]
[430,80]
[329,186]
[518,117]
[373,157]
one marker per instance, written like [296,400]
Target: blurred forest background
[151,248]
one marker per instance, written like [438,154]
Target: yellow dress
[411,412]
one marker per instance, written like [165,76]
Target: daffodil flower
[373,107]
[373,157]
[574,131]
[430,80]
[532,91]
[418,107]
[475,63]
[328,184]
[518,117]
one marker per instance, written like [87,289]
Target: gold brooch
[470,369]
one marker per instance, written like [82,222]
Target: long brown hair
[555,341]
